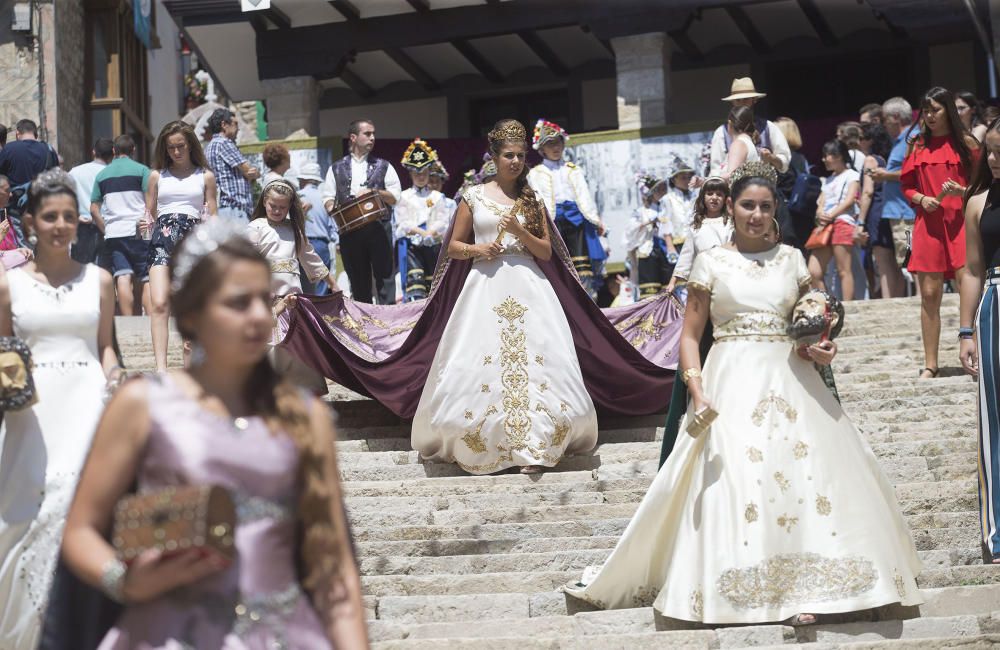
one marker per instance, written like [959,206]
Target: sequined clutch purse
[176,519]
[17,387]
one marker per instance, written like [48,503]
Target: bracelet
[690,374]
[966,332]
[113,579]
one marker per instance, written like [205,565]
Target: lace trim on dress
[754,324]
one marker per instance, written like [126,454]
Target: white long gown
[505,387]
[781,507]
[42,448]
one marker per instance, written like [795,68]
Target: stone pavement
[455,561]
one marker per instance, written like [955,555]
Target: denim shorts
[126,256]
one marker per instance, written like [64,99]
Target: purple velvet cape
[628,355]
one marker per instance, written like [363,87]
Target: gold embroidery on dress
[492,410]
[697,604]
[485,388]
[755,455]
[488,359]
[786,522]
[754,323]
[751,513]
[900,583]
[801,450]
[561,430]
[563,406]
[823,506]
[348,323]
[468,415]
[647,329]
[539,359]
[780,405]
[544,386]
[793,578]
[644,596]
[474,439]
[285,266]
[782,482]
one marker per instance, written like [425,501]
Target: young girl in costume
[562,188]
[649,238]
[420,223]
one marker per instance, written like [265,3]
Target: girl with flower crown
[649,238]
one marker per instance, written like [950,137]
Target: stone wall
[19,75]
[66,128]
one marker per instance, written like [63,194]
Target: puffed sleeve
[635,232]
[311,263]
[584,199]
[701,273]
[683,267]
[404,217]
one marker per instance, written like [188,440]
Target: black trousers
[367,255]
[654,273]
[576,244]
[89,241]
[421,261]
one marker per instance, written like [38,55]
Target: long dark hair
[956,130]
[973,103]
[161,160]
[713,184]
[743,122]
[982,176]
[281,404]
[297,215]
[527,203]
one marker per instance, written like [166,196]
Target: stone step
[568,557]
[645,621]
[938,602]
[909,468]
[521,581]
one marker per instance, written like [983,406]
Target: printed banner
[141,23]
[611,167]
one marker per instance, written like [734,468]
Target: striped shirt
[120,189]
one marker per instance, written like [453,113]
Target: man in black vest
[366,252]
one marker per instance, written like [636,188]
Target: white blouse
[712,233]
[277,243]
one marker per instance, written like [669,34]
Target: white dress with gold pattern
[781,507]
[505,387]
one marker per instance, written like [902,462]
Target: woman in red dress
[933,179]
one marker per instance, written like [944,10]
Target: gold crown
[754,169]
[508,131]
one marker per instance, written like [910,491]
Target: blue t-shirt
[896,206]
[318,222]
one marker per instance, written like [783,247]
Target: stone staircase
[450,560]
[456,561]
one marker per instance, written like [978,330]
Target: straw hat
[742,88]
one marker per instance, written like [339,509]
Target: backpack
[805,193]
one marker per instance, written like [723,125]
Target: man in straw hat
[320,229]
[773,147]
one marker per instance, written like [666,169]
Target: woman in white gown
[505,387]
[754,521]
[64,311]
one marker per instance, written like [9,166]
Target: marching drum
[363,210]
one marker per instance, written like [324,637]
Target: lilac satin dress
[257,603]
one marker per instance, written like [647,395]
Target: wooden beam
[478,61]
[346,9]
[412,68]
[356,83]
[542,50]
[750,31]
[684,42]
[818,22]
